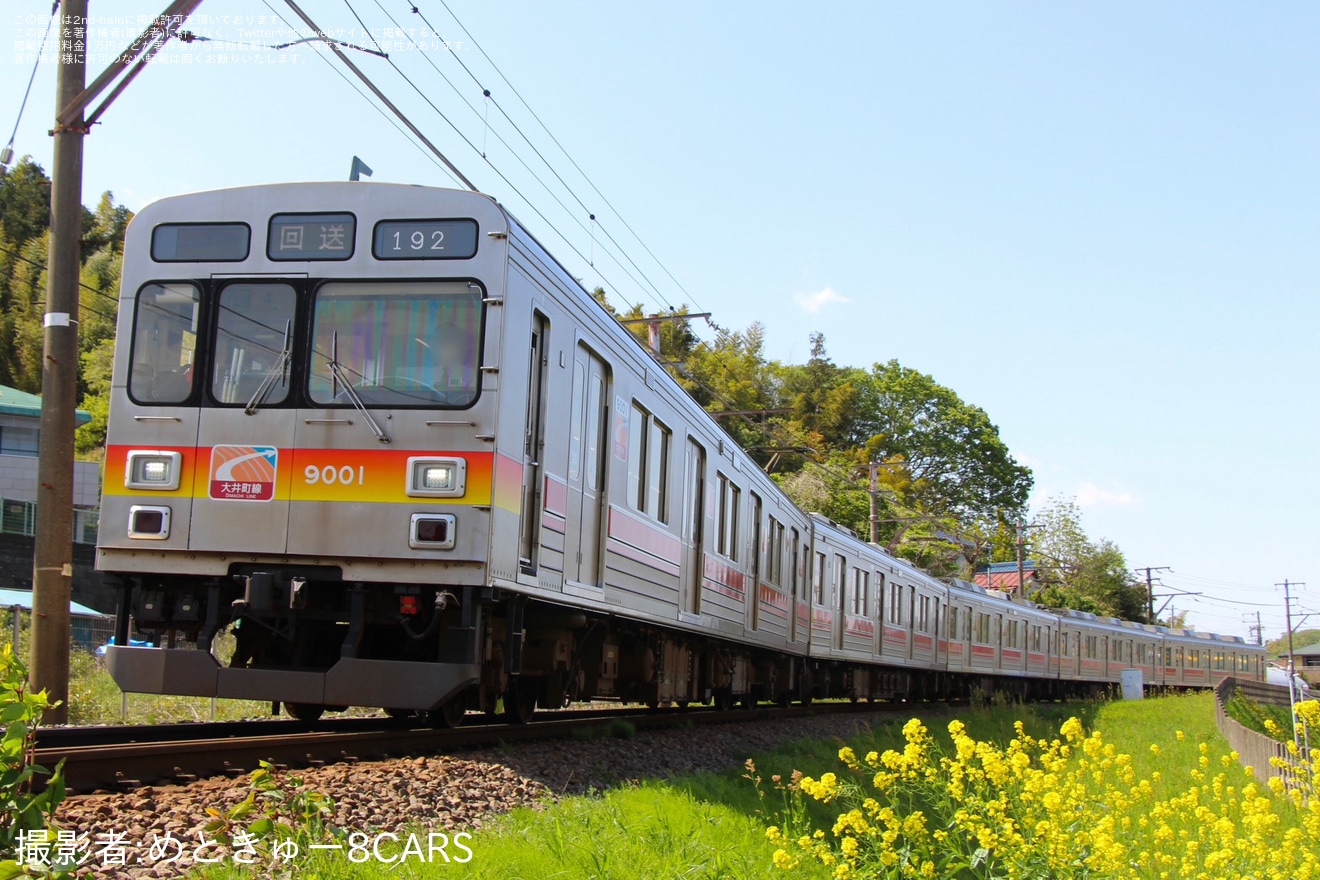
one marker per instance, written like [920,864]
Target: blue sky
[1096,221]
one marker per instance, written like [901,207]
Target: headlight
[436,477]
[439,476]
[152,469]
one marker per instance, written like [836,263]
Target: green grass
[712,825]
[1253,715]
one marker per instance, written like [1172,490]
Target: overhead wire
[561,147]
[9,148]
[373,104]
[486,158]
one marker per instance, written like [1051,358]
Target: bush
[25,815]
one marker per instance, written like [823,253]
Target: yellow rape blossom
[1068,807]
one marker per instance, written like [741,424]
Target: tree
[24,201]
[1082,574]
[1301,639]
[952,453]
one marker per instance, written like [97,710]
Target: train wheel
[449,714]
[682,705]
[723,700]
[519,704]
[805,699]
[308,712]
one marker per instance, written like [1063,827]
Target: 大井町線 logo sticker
[243,473]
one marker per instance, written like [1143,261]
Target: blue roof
[23,598]
[1000,567]
[19,403]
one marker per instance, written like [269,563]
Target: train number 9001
[330,475]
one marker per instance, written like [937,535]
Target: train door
[585,469]
[533,447]
[245,442]
[754,588]
[694,528]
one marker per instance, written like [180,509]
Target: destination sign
[311,237]
[200,242]
[425,240]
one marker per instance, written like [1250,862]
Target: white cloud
[814,302]
[1091,495]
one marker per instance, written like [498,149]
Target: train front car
[301,446]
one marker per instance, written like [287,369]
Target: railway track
[122,758]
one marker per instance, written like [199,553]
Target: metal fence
[20,518]
[1256,750]
[86,632]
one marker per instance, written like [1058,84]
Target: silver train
[379,434]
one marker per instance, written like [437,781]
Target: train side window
[730,498]
[575,420]
[840,581]
[952,625]
[982,634]
[648,463]
[774,563]
[164,343]
[818,585]
[861,590]
[895,603]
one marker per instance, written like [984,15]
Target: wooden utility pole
[52,560]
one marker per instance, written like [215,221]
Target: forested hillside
[24,245]
[948,490]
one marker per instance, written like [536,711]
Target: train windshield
[164,343]
[251,333]
[397,343]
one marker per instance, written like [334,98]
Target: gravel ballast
[444,793]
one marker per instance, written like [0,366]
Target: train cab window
[253,339]
[164,343]
[397,343]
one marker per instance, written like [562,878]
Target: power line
[561,148]
[426,98]
[8,153]
[339,73]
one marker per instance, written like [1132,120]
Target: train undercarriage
[303,637]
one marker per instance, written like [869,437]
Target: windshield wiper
[339,377]
[280,371]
